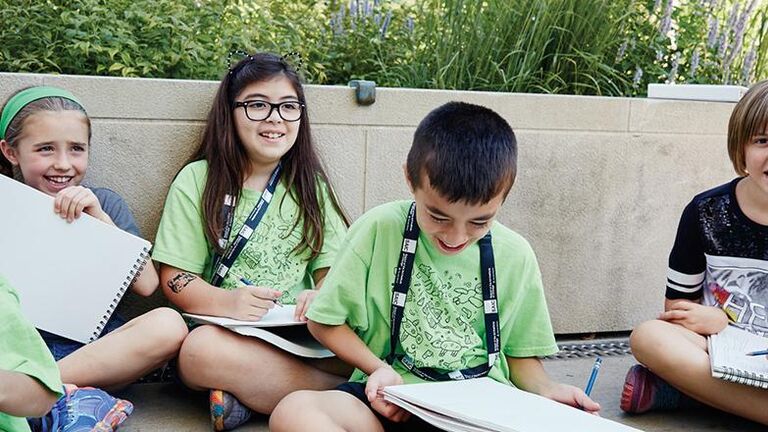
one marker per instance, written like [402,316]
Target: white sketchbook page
[729,348]
[279,316]
[68,275]
[500,407]
[277,327]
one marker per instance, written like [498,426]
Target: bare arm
[306,297]
[704,320]
[669,304]
[192,294]
[527,373]
[147,281]
[23,396]
[346,345]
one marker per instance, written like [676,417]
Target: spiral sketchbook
[485,405]
[69,276]
[729,360]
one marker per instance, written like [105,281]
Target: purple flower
[732,16]
[638,76]
[749,63]
[385,26]
[694,62]
[722,45]
[739,29]
[712,35]
[666,21]
[622,50]
[673,72]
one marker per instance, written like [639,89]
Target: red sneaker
[645,391]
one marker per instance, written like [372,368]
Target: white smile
[272,135]
[451,247]
[59,179]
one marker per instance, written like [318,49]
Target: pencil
[758,353]
[248,282]
[593,375]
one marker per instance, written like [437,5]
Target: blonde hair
[749,118]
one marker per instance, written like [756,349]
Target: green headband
[24,98]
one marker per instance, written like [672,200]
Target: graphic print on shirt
[740,287]
[437,329]
[266,259]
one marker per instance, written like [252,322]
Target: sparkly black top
[721,255]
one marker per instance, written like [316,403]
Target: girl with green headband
[45,141]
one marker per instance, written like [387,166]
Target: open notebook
[484,405]
[70,277]
[727,355]
[276,327]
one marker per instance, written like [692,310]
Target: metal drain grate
[593,349]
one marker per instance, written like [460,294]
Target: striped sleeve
[687,262]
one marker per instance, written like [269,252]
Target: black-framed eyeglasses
[258,110]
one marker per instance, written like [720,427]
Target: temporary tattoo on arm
[180,281]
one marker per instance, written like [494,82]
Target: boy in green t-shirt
[415,283]
[29,376]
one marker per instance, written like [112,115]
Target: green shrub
[549,46]
[602,47]
[703,42]
[179,39]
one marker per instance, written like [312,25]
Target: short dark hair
[467,152]
[749,118]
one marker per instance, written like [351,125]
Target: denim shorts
[61,347]
[414,424]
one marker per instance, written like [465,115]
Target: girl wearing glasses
[250,222]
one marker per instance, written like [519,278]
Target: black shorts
[414,424]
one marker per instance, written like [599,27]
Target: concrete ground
[168,407]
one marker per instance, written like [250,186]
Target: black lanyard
[222,263]
[400,293]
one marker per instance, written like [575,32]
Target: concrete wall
[601,183]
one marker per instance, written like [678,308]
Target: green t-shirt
[443,326]
[23,350]
[268,258]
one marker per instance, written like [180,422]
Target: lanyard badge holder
[222,263]
[400,294]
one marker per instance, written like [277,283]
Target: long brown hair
[303,173]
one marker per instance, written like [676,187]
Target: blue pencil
[593,375]
[757,353]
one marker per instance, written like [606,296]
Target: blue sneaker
[226,411]
[84,409]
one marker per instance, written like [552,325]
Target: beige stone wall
[601,183]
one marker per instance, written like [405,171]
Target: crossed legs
[679,356]
[121,357]
[255,372]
